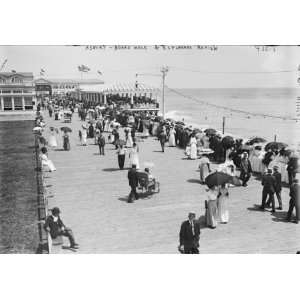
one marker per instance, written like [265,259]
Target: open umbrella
[210,131]
[228,141]
[66,129]
[275,146]
[256,140]
[217,178]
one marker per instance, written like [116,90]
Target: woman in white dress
[52,141]
[193,143]
[45,161]
[172,137]
[129,141]
[204,166]
[134,156]
[222,203]
[84,136]
[211,209]
[106,125]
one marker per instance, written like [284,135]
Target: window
[18,103]
[7,103]
[2,81]
[17,92]
[28,103]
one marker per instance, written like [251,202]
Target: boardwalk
[91,192]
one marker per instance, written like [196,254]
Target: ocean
[253,101]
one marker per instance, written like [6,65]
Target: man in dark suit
[278,186]
[294,201]
[269,184]
[246,169]
[163,139]
[189,235]
[133,183]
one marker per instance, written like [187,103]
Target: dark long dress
[66,142]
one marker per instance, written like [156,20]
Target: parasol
[210,131]
[256,140]
[228,141]
[217,178]
[66,129]
[275,146]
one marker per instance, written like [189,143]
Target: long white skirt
[52,142]
[193,151]
[49,164]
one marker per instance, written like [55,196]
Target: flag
[42,72]
[83,68]
[100,73]
[3,64]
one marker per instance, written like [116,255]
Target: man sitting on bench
[55,226]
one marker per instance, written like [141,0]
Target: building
[17,91]
[56,87]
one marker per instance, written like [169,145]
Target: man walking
[133,183]
[163,139]
[268,182]
[278,186]
[294,201]
[101,143]
[246,169]
[189,235]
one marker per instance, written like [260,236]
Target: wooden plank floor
[91,192]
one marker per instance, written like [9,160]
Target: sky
[226,67]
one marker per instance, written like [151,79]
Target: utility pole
[164,71]
[223,125]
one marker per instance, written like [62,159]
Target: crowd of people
[207,145]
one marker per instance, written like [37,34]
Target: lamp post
[164,71]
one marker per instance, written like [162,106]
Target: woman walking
[211,214]
[223,204]
[134,156]
[121,156]
[193,143]
[172,142]
[204,166]
[52,142]
[84,136]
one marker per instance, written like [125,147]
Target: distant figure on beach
[269,184]
[121,156]
[133,183]
[294,201]
[134,156]
[222,203]
[189,235]
[204,166]
[66,141]
[246,169]
[211,208]
[55,226]
[46,162]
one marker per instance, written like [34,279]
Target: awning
[120,88]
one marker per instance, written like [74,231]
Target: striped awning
[121,88]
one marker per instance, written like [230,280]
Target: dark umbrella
[210,131]
[66,129]
[227,141]
[217,178]
[275,146]
[256,139]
